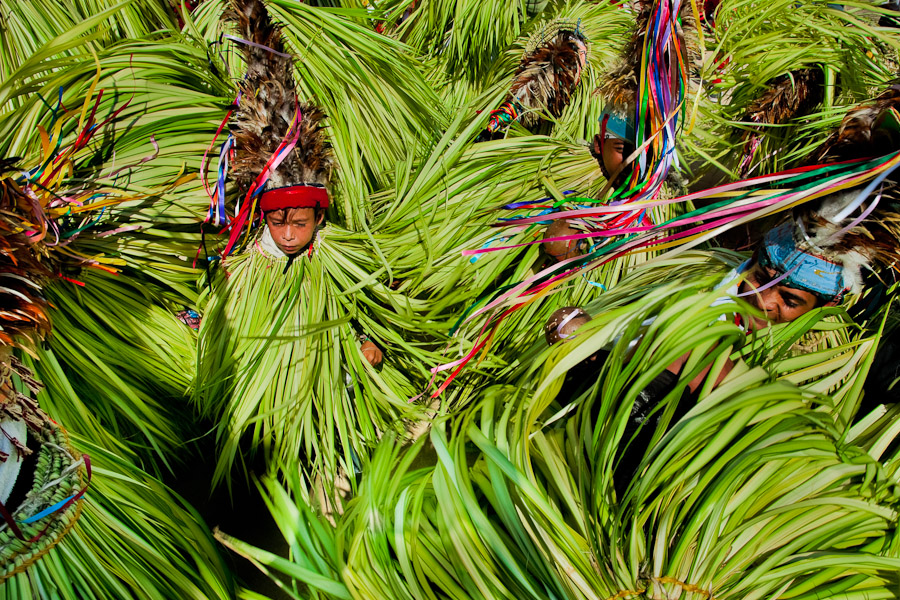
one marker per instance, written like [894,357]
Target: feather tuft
[549,72]
[860,133]
[267,107]
[871,245]
[787,97]
[24,320]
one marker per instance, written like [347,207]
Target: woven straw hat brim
[58,475]
[134,538]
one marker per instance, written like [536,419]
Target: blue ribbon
[47,511]
[217,214]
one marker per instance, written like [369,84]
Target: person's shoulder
[728,285]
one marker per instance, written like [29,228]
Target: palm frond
[752,46]
[521,502]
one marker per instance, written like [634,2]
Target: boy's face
[610,153]
[779,303]
[293,228]
[613,154]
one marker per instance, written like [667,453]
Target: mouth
[289,249]
[756,323]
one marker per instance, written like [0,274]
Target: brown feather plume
[620,84]
[878,236]
[545,79]
[788,97]
[859,135]
[267,107]
[549,73]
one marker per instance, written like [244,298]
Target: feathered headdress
[870,129]
[546,78]
[827,249]
[281,156]
[850,232]
[787,97]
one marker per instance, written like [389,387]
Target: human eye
[790,301]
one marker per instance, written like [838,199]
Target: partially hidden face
[293,229]
[779,303]
[610,153]
[613,154]
[582,58]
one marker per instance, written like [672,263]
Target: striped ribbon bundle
[727,206]
[661,96]
[658,114]
[50,211]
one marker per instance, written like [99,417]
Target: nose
[768,303]
[288,233]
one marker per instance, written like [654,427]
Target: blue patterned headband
[620,128]
[802,270]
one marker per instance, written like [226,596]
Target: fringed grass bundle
[752,492]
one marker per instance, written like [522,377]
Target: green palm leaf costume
[279,359]
[130,536]
[521,500]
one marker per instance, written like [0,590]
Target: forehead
[292,214]
[772,273]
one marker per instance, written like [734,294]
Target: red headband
[294,196]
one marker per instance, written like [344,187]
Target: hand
[372,353]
